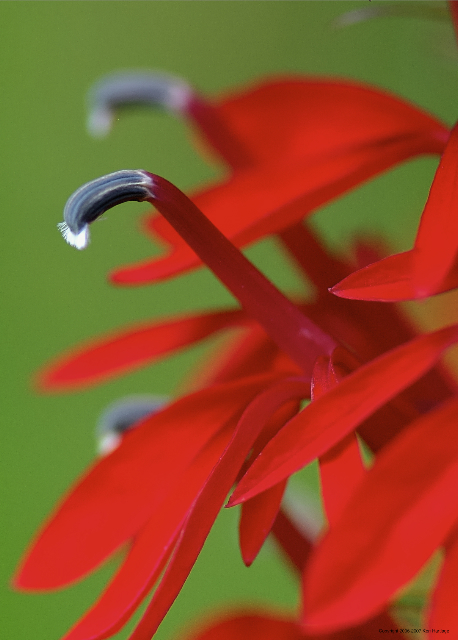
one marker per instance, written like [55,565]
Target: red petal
[296,117]
[390,280]
[265,200]
[117,496]
[341,471]
[378,544]
[436,244]
[341,468]
[141,345]
[330,418]
[256,520]
[249,626]
[259,514]
[212,497]
[151,549]
[444,612]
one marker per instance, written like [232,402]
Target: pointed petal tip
[16,582]
[387,280]
[123,278]
[25,580]
[242,496]
[248,560]
[43,382]
[47,382]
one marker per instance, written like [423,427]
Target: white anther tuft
[78,240]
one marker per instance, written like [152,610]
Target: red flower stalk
[292,145]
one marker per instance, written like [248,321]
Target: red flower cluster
[292,144]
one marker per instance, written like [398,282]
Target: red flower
[162,488]
[370,387]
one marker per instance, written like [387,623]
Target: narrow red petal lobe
[376,547]
[256,520]
[436,244]
[330,418]
[341,471]
[259,514]
[390,280]
[141,345]
[341,468]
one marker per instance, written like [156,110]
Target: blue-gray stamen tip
[134,88]
[91,200]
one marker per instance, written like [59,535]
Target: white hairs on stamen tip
[78,240]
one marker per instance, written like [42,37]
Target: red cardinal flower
[189,484]
[292,145]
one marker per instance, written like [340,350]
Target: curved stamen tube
[293,332]
[133,88]
[91,200]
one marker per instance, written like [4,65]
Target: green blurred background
[54,297]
